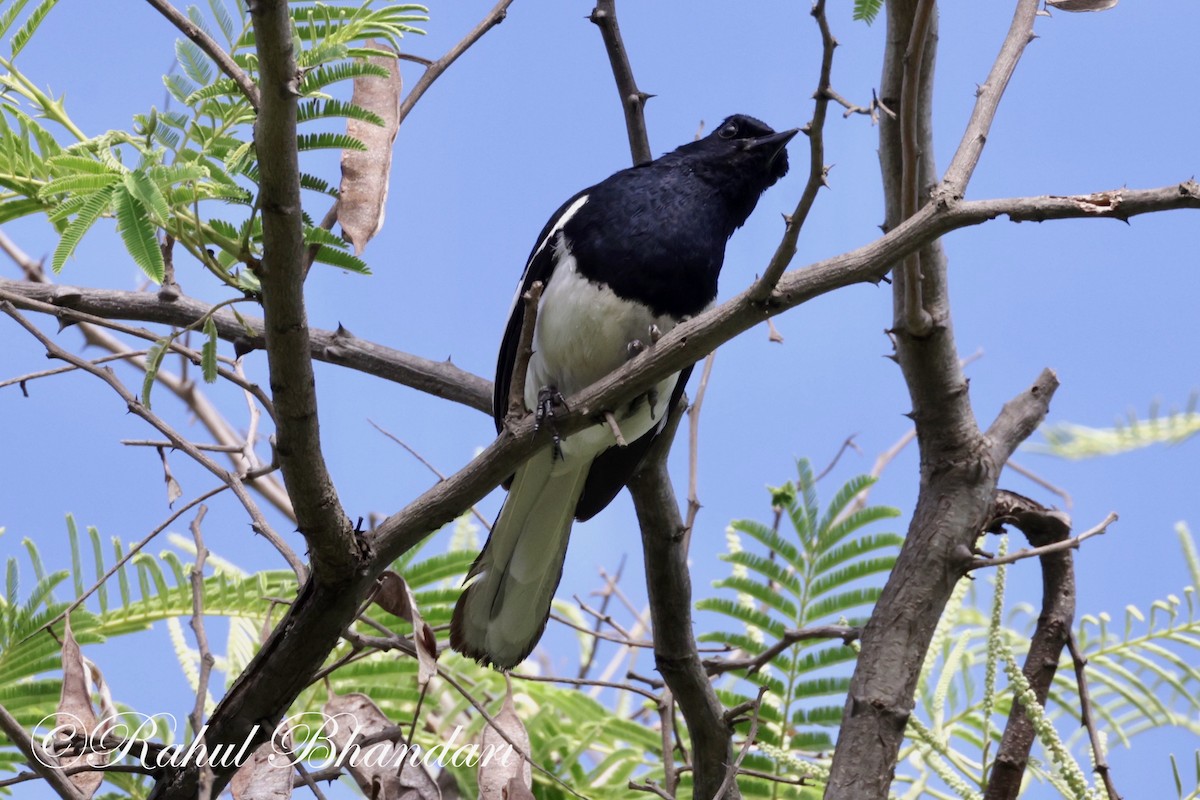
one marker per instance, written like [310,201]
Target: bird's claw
[634,348]
[548,399]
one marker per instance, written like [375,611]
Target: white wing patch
[559,224]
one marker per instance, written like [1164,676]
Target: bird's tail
[500,616]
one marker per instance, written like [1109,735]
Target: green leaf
[321,109]
[138,234]
[10,15]
[90,211]
[208,352]
[22,36]
[194,61]
[867,10]
[85,183]
[20,207]
[340,258]
[148,195]
[154,359]
[328,141]
[326,74]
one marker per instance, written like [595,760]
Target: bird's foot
[637,346]
[549,398]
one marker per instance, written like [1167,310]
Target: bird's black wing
[539,267]
[613,468]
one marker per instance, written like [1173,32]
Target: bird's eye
[728,132]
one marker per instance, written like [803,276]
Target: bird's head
[743,157]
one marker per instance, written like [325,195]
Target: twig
[177,441]
[516,391]
[633,100]
[133,551]
[818,173]
[1040,481]
[962,166]
[211,48]
[206,657]
[918,321]
[666,727]
[731,773]
[1057,547]
[693,497]
[652,788]
[624,687]
[436,68]
[605,598]
[40,761]
[847,444]
[623,640]
[46,373]
[441,476]
[615,429]
[208,448]
[846,633]
[1099,761]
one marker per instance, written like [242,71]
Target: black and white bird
[620,263]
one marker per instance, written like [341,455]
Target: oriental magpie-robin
[620,262]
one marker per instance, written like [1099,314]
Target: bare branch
[1044,529]
[516,393]
[817,171]
[1089,721]
[668,584]
[196,718]
[41,762]
[441,379]
[916,319]
[633,100]
[1072,543]
[134,405]
[211,48]
[333,547]
[434,70]
[962,166]
[718,666]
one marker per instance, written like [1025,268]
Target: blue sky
[528,117]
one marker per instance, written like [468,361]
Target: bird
[621,263]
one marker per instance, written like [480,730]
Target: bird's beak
[773,143]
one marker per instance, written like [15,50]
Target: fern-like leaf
[138,234]
[89,212]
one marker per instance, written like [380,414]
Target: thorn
[242,346]
[342,332]
[787,219]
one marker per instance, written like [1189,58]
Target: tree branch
[319,516]
[817,171]
[962,166]
[633,100]
[340,347]
[668,583]
[214,50]
[1042,527]
[38,759]
[434,70]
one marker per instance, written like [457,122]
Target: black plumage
[643,247]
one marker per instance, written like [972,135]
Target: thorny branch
[818,172]
[1099,761]
[211,48]
[434,70]
[633,100]
[1042,527]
